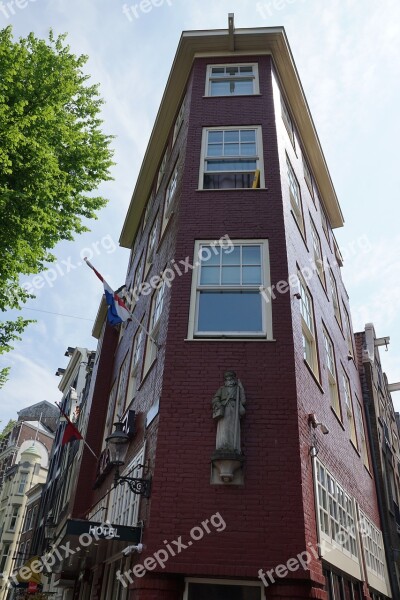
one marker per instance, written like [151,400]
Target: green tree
[53,155]
[7,429]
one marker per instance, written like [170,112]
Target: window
[348,333]
[226,299]
[169,197]
[4,556]
[161,170]
[331,364]
[14,517]
[22,483]
[135,371]
[231,158]
[146,213]
[151,245]
[373,546]
[179,121]
[308,327]
[362,447]
[232,80]
[324,221]
[154,326]
[308,177]
[121,392]
[335,298]
[198,589]
[287,119]
[124,503]
[110,411]
[318,259]
[335,511]
[133,293]
[349,408]
[295,196]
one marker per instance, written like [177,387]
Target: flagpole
[82,438]
[132,316]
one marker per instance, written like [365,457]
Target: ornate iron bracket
[137,485]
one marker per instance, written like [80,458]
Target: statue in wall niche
[228,408]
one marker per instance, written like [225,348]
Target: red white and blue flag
[117,309]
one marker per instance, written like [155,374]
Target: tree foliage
[7,429]
[53,156]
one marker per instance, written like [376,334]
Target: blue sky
[346,52]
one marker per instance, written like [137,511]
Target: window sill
[233,95]
[314,376]
[338,418]
[259,189]
[228,339]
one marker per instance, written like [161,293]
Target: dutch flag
[117,310]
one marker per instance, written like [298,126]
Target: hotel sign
[103,531]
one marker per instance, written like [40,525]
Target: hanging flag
[117,309]
[71,434]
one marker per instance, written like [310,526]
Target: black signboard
[103,531]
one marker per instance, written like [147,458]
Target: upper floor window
[151,246]
[14,517]
[335,298]
[169,196]
[179,121]
[332,377]
[308,177]
[135,371]
[232,80]
[231,158]
[226,299]
[348,332]
[287,119]
[124,507]
[154,326]
[324,221]
[317,251]
[162,168]
[308,327]
[22,483]
[349,408]
[295,196]
[362,446]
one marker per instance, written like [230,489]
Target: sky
[346,52]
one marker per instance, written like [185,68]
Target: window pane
[215,136]
[230,311]
[218,70]
[209,275]
[215,150]
[228,181]
[232,257]
[247,135]
[230,275]
[231,135]
[251,275]
[248,150]
[247,69]
[209,591]
[251,255]
[232,70]
[232,150]
[231,165]
[210,255]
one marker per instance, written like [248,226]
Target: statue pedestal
[226,468]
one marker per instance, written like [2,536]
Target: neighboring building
[25,430]
[59,491]
[384,442]
[29,469]
[234,196]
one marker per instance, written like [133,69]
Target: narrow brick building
[234,267]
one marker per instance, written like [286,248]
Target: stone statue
[228,408]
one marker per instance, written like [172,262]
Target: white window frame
[254,77]
[348,332]
[337,525]
[335,298]
[162,168]
[170,196]
[266,333]
[372,543]
[288,121]
[135,366]
[151,245]
[349,407]
[147,212]
[14,517]
[110,412]
[157,305]
[122,388]
[362,436]
[124,505]
[24,481]
[179,120]
[308,176]
[317,251]
[295,196]
[308,327]
[258,157]
[332,374]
